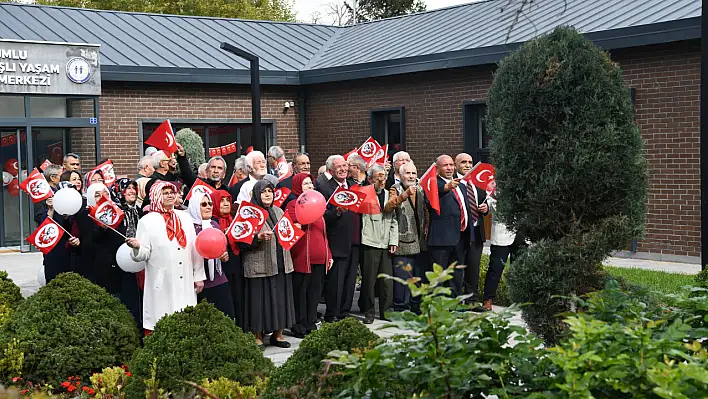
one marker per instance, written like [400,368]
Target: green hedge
[10,296]
[301,372]
[70,327]
[197,343]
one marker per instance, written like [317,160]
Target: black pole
[704,144]
[257,137]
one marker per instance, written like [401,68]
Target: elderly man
[240,172]
[257,169]
[52,174]
[202,171]
[357,169]
[216,171]
[165,170]
[276,160]
[474,236]
[399,159]
[145,167]
[379,240]
[344,237]
[72,162]
[301,164]
[324,177]
[445,230]
[409,200]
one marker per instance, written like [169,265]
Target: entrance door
[15,217]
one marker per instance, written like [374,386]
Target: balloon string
[61,227]
[117,232]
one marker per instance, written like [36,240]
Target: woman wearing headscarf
[85,228]
[216,288]
[268,289]
[58,260]
[174,271]
[232,267]
[105,243]
[310,256]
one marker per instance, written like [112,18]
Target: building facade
[329,88]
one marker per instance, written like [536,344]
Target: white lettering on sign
[26,80]
[13,54]
[37,74]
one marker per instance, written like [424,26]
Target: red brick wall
[667,82]
[124,104]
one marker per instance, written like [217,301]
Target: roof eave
[637,36]
[195,75]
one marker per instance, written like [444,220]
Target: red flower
[71,388]
[65,384]
[23,392]
[16,379]
[128,374]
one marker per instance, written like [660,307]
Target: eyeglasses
[206,204]
[169,193]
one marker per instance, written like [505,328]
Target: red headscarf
[297,182]
[224,219]
[172,221]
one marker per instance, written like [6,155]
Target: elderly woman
[216,288]
[104,243]
[310,256]
[174,271]
[232,266]
[58,260]
[268,287]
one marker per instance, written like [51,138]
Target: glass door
[14,204]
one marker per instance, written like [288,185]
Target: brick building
[417,82]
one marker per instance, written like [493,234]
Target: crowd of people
[264,288]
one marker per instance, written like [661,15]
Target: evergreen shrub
[193,146]
[10,296]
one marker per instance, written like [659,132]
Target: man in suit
[343,230]
[474,236]
[445,230]
[301,164]
[326,176]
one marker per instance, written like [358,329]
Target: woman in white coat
[174,271]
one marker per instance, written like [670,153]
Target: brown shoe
[487,304]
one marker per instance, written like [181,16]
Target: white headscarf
[91,193]
[195,205]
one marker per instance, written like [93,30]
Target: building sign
[28,67]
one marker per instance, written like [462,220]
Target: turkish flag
[370,203]
[234,179]
[350,153]
[231,148]
[382,156]
[12,166]
[214,151]
[279,196]
[288,234]
[429,184]
[109,175]
[45,165]
[163,138]
[480,175]
[369,150]
[56,153]
[348,199]
[107,212]
[249,149]
[47,235]
[199,186]
[248,222]
[283,169]
[36,186]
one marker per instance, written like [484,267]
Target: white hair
[217,158]
[400,154]
[276,152]
[144,161]
[202,168]
[357,160]
[331,159]
[252,156]
[373,170]
[406,165]
[157,157]
[240,164]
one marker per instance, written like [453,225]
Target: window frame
[389,110]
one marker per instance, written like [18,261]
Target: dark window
[388,126]
[474,125]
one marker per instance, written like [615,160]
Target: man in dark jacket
[301,164]
[165,170]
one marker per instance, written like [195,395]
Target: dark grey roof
[155,47]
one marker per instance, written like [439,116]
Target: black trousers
[350,281]
[307,288]
[422,265]
[445,256]
[497,261]
[375,261]
[334,287]
[473,256]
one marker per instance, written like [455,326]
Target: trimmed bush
[70,327]
[193,146]
[197,343]
[300,375]
[702,278]
[570,169]
[10,296]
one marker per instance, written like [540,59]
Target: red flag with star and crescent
[429,184]
[36,186]
[288,234]
[280,195]
[349,199]
[107,212]
[163,138]
[47,163]
[199,186]
[47,235]
[480,175]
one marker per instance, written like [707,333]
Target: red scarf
[224,219]
[172,221]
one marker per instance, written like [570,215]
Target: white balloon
[67,201]
[150,150]
[127,263]
[40,277]
[6,178]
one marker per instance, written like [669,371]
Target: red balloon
[11,166]
[211,243]
[310,206]
[13,188]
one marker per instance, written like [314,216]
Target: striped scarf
[172,221]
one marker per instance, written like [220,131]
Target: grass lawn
[668,283]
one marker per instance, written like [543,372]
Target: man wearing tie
[445,230]
[473,237]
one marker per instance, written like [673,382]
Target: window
[216,135]
[388,126]
[474,125]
